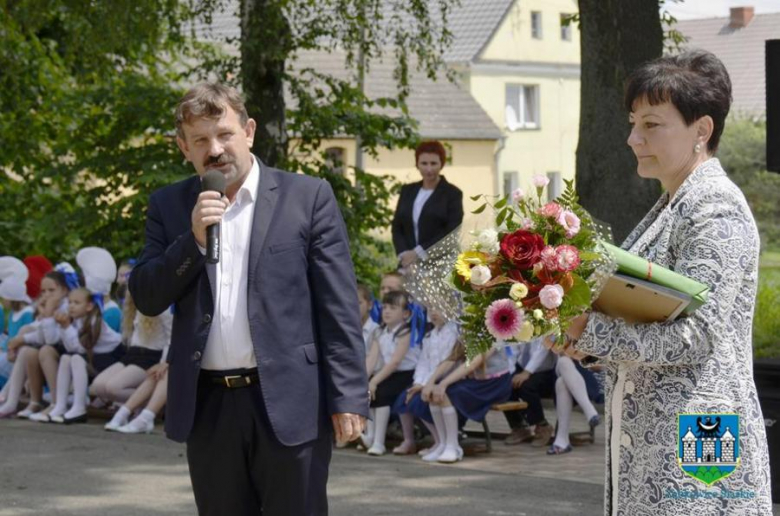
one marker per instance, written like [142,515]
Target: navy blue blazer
[302,303]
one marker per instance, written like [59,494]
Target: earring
[697,148]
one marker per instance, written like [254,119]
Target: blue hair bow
[508,351]
[417,321]
[98,300]
[71,278]
[376,312]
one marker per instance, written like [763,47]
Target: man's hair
[695,82]
[208,100]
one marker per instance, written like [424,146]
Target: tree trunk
[266,42]
[616,37]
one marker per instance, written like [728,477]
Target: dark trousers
[538,386]
[239,468]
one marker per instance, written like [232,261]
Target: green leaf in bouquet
[501,203]
[579,293]
[501,216]
[480,209]
[476,197]
[589,256]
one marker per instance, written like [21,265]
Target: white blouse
[387,345]
[46,331]
[436,347]
[107,342]
[159,338]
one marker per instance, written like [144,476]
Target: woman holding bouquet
[701,227]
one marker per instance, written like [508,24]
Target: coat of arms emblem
[708,445]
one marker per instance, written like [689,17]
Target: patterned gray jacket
[698,364]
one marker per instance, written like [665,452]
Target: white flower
[540,181]
[551,296]
[538,314]
[517,195]
[518,291]
[488,241]
[480,275]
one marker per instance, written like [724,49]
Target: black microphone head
[213,181]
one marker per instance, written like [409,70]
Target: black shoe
[74,420]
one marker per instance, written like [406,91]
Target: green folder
[636,267]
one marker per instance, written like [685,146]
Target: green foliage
[743,155]
[86,116]
[766,320]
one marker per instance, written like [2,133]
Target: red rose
[522,248]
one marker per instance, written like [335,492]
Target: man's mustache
[222,159]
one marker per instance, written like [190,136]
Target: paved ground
[82,470]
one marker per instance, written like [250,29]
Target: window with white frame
[555,187]
[566,27]
[522,106]
[536,24]
[511,182]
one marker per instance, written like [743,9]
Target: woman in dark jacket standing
[427,210]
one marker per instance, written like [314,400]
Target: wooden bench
[507,406]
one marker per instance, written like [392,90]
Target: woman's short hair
[695,82]
[208,100]
[431,147]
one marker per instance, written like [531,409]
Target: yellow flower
[468,260]
[526,332]
[518,291]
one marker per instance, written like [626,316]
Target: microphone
[213,181]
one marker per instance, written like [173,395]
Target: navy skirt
[102,361]
[142,357]
[416,406]
[473,398]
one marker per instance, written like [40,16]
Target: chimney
[741,17]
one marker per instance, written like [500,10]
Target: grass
[766,322]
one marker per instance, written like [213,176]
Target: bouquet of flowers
[531,274]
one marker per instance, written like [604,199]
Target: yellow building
[525,74]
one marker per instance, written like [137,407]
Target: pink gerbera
[503,319]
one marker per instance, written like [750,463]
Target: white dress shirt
[229,345]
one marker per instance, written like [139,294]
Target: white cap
[99,269]
[14,289]
[13,267]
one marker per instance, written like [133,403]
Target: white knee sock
[78,368]
[63,387]
[438,422]
[576,385]
[563,407]
[450,416]
[380,425]
[15,383]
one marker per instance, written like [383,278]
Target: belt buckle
[229,378]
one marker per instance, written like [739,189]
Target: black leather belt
[231,381]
